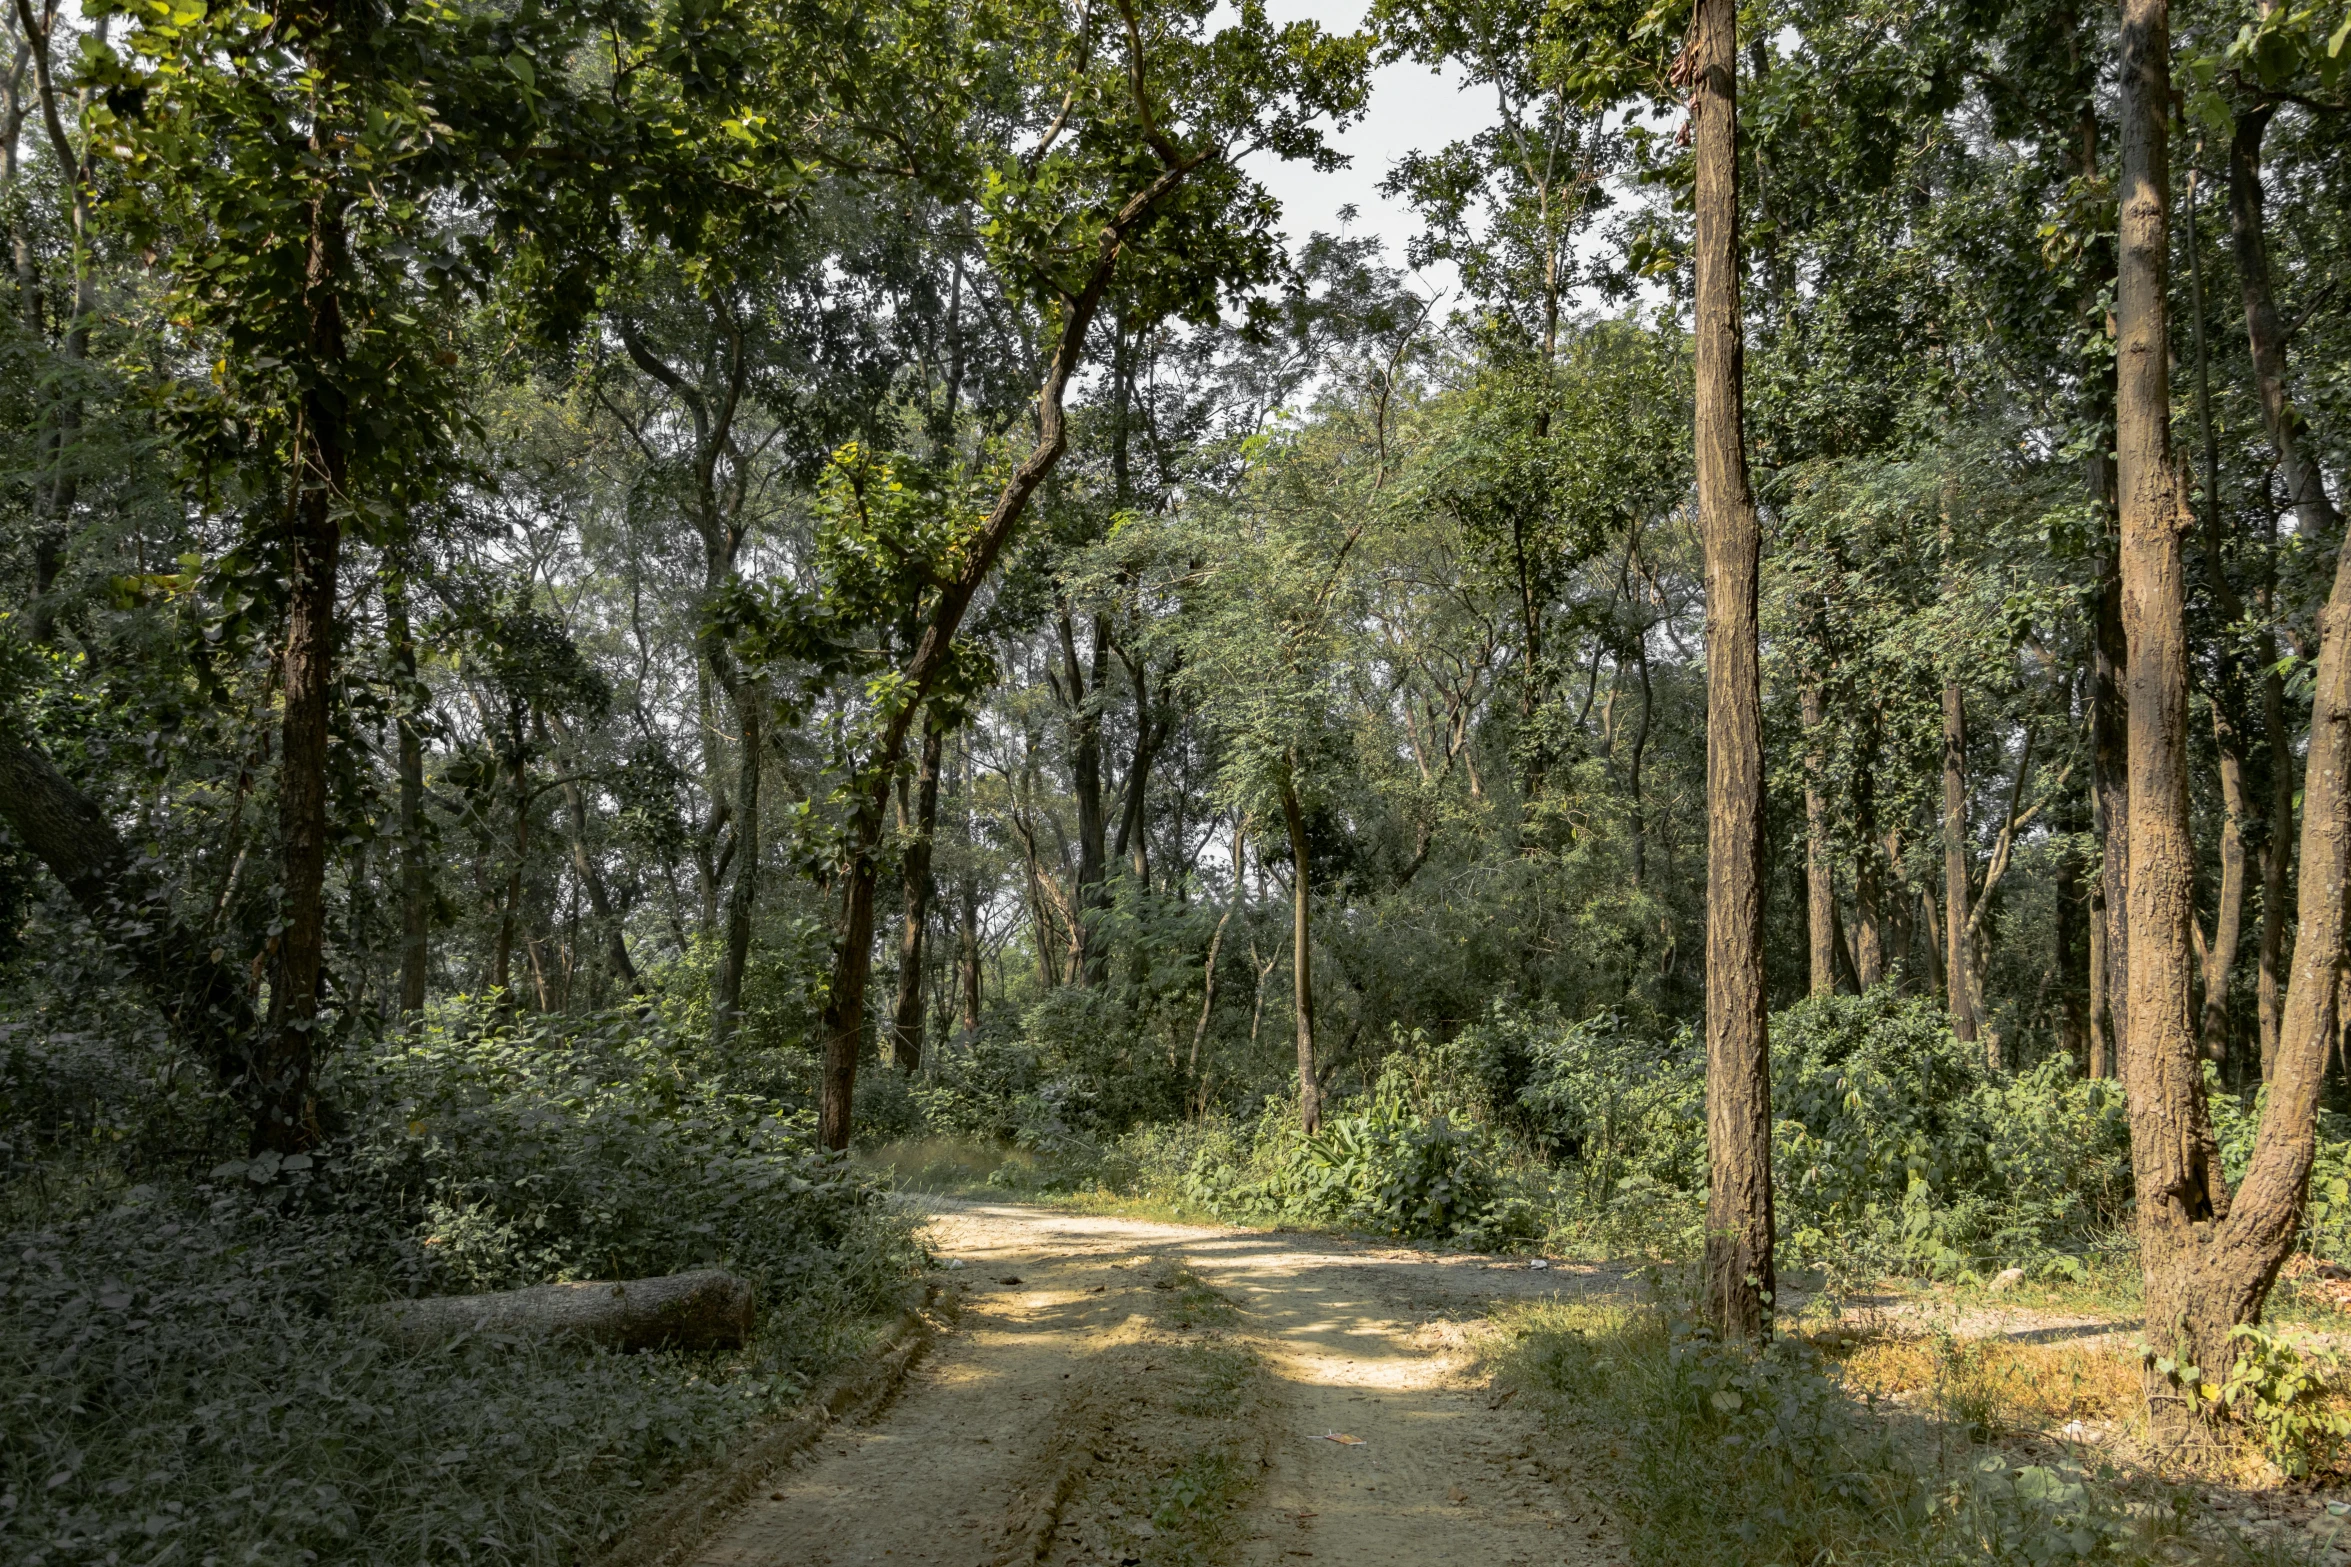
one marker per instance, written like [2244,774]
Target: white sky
[1412,109]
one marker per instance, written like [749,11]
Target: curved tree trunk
[1738,1060]
[843,1019]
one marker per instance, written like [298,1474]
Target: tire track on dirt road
[1099,1403]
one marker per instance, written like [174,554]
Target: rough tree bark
[2209,1270]
[1739,1280]
[906,1018]
[2183,1199]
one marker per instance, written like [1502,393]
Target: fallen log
[705,1309]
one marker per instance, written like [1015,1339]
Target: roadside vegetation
[624,626]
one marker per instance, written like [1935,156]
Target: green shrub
[189,1365]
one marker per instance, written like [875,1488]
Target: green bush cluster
[188,1360]
[1895,1149]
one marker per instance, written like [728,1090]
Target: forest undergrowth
[191,1371]
[1925,1205]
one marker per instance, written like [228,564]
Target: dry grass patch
[1997,1387]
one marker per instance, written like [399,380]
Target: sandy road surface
[1096,1364]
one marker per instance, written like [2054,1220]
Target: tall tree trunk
[1820,889]
[56,493]
[415,867]
[2274,848]
[1301,956]
[906,1018]
[1870,940]
[2314,518]
[726,986]
[2211,1273]
[2314,513]
[1151,730]
[2174,1156]
[1083,681]
[2228,692]
[286,1062]
[1639,751]
[1956,964]
[510,903]
[1739,1281]
[2073,1013]
[967,906]
[2109,791]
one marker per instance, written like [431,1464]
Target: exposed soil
[1130,1393]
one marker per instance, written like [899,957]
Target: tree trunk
[2073,1013]
[2110,814]
[1639,751]
[2314,518]
[2212,1272]
[2174,1157]
[1739,1282]
[2228,691]
[510,904]
[2314,514]
[286,1061]
[702,1310]
[1870,941]
[2274,847]
[2220,953]
[1301,957]
[56,492]
[415,868]
[1151,731]
[1083,682]
[608,920]
[726,986]
[1820,891]
[1956,964]
[201,997]
[906,1018]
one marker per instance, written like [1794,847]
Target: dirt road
[1128,1393]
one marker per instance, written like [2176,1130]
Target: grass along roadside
[1837,1447]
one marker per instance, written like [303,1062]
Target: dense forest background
[602,599]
